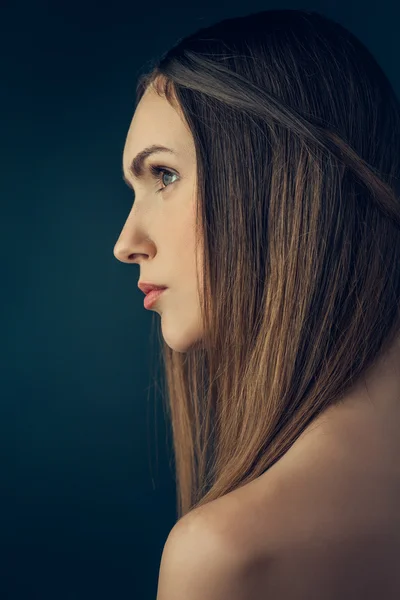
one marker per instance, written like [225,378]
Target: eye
[158,173]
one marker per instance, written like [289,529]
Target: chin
[181,341]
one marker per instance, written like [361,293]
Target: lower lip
[151,297]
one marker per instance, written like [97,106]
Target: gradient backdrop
[87,493]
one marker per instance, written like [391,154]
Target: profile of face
[159,233]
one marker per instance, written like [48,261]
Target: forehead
[155,121]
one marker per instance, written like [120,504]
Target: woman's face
[159,233]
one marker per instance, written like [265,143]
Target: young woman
[264,155]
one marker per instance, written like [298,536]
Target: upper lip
[148,287]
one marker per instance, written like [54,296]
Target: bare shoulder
[321,523]
[199,562]
[312,528]
[211,552]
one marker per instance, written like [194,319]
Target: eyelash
[157,172]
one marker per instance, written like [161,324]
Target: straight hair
[297,136]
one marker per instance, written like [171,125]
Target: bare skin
[332,499]
[334,496]
[159,232]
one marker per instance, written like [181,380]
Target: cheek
[187,226]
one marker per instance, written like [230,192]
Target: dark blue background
[88,495]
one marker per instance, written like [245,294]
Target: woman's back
[324,521]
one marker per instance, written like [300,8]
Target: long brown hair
[297,136]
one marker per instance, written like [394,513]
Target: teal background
[88,495]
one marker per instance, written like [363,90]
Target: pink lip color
[151,297]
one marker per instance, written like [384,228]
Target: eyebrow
[137,164]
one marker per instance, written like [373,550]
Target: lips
[148,287]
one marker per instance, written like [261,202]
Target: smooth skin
[323,521]
[159,233]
